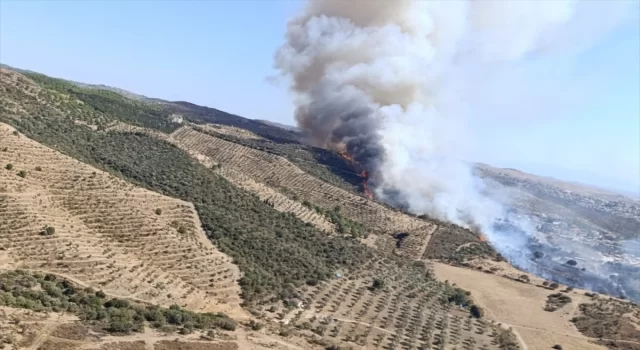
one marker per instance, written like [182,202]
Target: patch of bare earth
[521,306]
[108,234]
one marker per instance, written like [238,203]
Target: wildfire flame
[365,185]
[346,156]
[363,174]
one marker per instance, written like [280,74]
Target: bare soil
[521,306]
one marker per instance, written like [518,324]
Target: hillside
[275,234]
[595,228]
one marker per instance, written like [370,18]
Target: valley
[167,204]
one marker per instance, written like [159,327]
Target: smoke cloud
[383,81]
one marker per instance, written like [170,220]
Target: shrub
[554,285]
[458,296]
[255,326]
[476,311]
[187,328]
[116,303]
[38,168]
[22,174]
[556,301]
[9,166]
[572,262]
[48,231]
[120,321]
[226,324]
[158,211]
[15,133]
[378,283]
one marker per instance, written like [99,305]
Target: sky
[220,54]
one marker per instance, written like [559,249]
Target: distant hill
[225,213]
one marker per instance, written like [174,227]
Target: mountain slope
[320,264]
[106,233]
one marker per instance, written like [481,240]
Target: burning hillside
[363,174]
[382,84]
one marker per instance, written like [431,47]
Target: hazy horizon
[202,53]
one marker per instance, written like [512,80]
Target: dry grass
[71,331]
[178,345]
[521,306]
[107,232]
[125,345]
[51,344]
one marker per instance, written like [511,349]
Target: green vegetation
[507,340]
[458,296]
[40,292]
[476,311]
[377,283]
[320,163]
[48,231]
[611,319]
[9,166]
[556,301]
[456,245]
[158,211]
[343,224]
[107,103]
[274,250]
[22,174]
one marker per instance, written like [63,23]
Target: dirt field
[521,306]
[102,232]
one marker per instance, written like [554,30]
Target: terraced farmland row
[278,173]
[278,200]
[106,233]
[407,312]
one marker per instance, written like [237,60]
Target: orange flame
[346,156]
[363,174]
[365,185]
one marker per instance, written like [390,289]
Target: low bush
[18,289]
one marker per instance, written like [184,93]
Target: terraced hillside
[278,173]
[59,215]
[305,282]
[384,305]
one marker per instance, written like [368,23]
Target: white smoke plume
[383,79]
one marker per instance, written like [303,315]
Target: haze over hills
[319,263]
